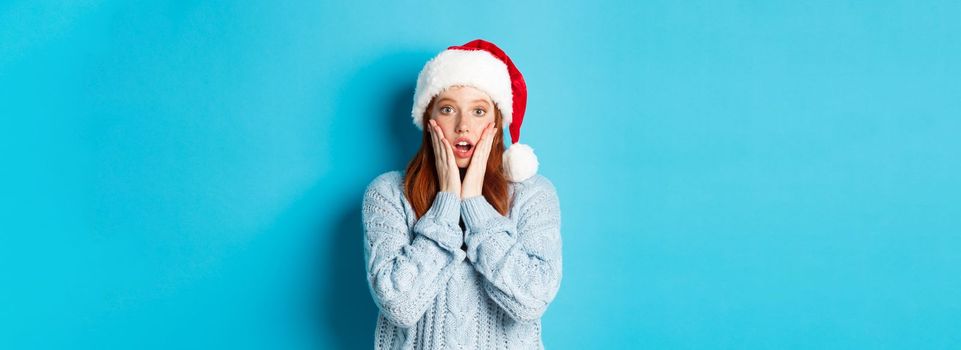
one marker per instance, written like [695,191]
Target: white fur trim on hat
[475,68]
[520,162]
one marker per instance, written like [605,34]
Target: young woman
[463,249]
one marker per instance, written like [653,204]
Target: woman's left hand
[474,178]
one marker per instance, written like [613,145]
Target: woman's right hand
[448,175]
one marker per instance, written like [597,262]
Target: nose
[461,126]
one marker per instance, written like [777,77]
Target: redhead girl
[463,249]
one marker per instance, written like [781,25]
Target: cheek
[445,125]
[481,121]
[485,121]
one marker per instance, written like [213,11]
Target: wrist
[470,191]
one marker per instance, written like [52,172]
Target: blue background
[732,175]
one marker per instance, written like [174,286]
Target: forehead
[463,94]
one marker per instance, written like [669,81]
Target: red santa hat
[484,66]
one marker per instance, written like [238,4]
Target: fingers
[440,153]
[450,153]
[488,140]
[451,161]
[474,179]
[435,142]
[446,165]
[490,136]
[479,160]
[444,148]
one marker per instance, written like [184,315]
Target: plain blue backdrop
[732,174]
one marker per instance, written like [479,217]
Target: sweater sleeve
[405,270]
[521,262]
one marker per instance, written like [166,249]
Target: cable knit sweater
[463,276]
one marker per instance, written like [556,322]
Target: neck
[463,171]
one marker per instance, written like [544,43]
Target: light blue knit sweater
[433,295]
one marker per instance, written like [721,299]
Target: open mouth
[463,148]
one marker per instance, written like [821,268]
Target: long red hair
[421,184]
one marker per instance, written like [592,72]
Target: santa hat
[484,66]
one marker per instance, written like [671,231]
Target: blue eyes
[479,112]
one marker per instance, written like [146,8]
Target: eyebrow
[451,100]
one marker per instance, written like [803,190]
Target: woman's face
[462,113]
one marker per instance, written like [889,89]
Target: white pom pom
[520,163]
